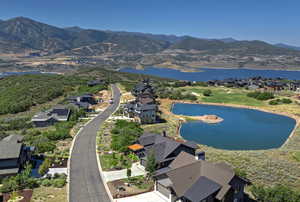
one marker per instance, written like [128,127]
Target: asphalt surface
[86,184]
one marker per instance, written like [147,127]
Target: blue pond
[207,74]
[242,129]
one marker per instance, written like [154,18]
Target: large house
[82,102]
[13,155]
[144,107]
[165,149]
[50,117]
[190,179]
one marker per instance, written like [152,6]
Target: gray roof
[59,113]
[10,147]
[9,171]
[185,172]
[201,189]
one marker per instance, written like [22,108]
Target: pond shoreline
[296,118]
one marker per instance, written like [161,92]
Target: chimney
[164,133]
[200,155]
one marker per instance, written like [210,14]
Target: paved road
[85,182]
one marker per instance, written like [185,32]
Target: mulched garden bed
[26,193]
[119,189]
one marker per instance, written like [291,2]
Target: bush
[278,193]
[273,102]
[46,183]
[43,169]
[59,183]
[261,96]
[286,101]
[207,92]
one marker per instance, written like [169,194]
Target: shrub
[278,193]
[43,169]
[273,102]
[46,183]
[207,92]
[261,96]
[286,101]
[59,183]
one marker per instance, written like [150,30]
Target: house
[82,102]
[48,118]
[188,179]
[142,87]
[164,148]
[95,82]
[144,107]
[13,155]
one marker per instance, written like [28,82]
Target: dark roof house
[13,155]
[47,118]
[191,180]
[164,148]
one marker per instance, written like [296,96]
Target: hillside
[21,34]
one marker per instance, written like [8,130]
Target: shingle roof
[185,171]
[10,148]
[201,189]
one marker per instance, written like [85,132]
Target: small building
[164,148]
[48,118]
[188,179]
[96,82]
[13,155]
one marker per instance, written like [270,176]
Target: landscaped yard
[116,161]
[49,194]
[130,187]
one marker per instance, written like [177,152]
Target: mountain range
[21,34]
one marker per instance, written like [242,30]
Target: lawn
[225,95]
[49,194]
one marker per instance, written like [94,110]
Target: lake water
[5,74]
[207,74]
[242,129]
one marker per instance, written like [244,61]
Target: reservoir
[206,74]
[242,129]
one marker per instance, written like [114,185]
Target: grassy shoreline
[266,167]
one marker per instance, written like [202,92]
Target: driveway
[153,196]
[136,170]
[85,181]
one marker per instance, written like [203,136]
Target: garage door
[163,190]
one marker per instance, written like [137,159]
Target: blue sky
[273,21]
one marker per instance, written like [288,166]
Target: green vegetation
[124,134]
[15,124]
[19,93]
[43,169]
[151,164]
[45,141]
[172,94]
[261,96]
[296,156]
[140,182]
[207,92]
[280,101]
[115,161]
[58,181]
[278,193]
[19,182]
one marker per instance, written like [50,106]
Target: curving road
[85,181]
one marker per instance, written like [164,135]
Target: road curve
[86,184]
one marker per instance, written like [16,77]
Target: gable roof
[10,147]
[185,172]
[201,189]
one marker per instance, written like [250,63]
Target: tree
[44,167]
[151,163]
[128,172]
[207,92]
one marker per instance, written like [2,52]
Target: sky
[274,21]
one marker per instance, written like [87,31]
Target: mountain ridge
[28,34]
